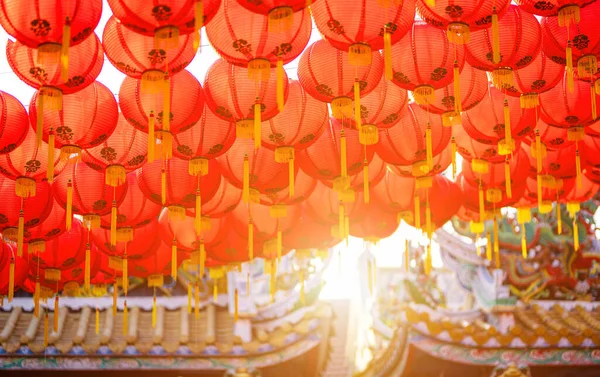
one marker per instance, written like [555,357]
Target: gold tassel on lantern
[429,146]
[163,186]
[523,242]
[481,204]
[578,169]
[281,19]
[366,193]
[64,50]
[341,220]
[174,260]
[279,242]
[86,279]
[125,275]
[151,137]
[11,280]
[496,242]
[235,305]
[292,178]
[125,318]
[417,211]
[359,54]
[428,228]
[250,240]
[36,298]
[568,14]
[286,154]
[215,290]
[540,151]
[202,257]
[453,156]
[46,331]
[166,111]
[457,95]
[570,79]
[154,310]
[50,171]
[246,180]
[198,166]
[431,3]
[506,146]
[113,223]
[357,113]
[189,295]
[558,219]
[56,313]
[115,175]
[257,126]
[343,151]
[495,38]
[198,23]
[387,53]
[489,247]
[424,94]
[114,303]
[279,83]
[197,300]
[69,220]
[575,234]
[198,213]
[97,321]
[20,233]
[507,178]
[593,92]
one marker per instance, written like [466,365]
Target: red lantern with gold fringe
[144,243]
[308,234]
[304,186]
[155,264]
[184,235]
[566,10]
[374,225]
[13,123]
[440,163]
[13,270]
[224,201]
[471,149]
[232,249]
[395,193]
[559,163]
[63,252]
[265,225]
[552,137]
[51,227]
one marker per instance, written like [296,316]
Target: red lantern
[51,227]
[137,56]
[183,233]
[559,163]
[327,74]
[157,263]
[552,189]
[145,241]
[210,137]
[233,96]
[88,117]
[415,140]
[120,153]
[224,201]
[540,76]
[432,65]
[363,26]
[307,234]
[304,186]
[232,249]
[135,210]
[471,149]
[374,225]
[441,162]
[492,201]
[566,10]
[592,152]
[445,200]
[13,123]
[272,8]
[519,43]
[10,281]
[63,252]
[265,225]
[375,173]
[28,164]
[552,137]
[83,191]
[579,195]
[395,193]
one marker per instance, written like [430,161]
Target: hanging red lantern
[395,193]
[376,224]
[433,64]
[415,140]
[183,233]
[280,12]
[210,137]
[28,164]
[260,217]
[232,249]
[592,152]
[145,241]
[492,202]
[542,192]
[120,153]
[224,201]
[471,149]
[441,162]
[362,27]
[88,117]
[154,266]
[560,163]
[82,190]
[445,200]
[134,211]
[13,270]
[308,234]
[540,76]
[13,123]
[167,20]
[137,56]
[566,10]
[499,120]
[327,74]
[52,227]
[233,96]
[375,172]
[167,183]
[518,45]
[552,137]
[579,195]
[304,186]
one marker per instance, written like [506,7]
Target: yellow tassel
[343,151]
[575,234]
[538,154]
[428,228]
[235,306]
[279,243]
[453,156]
[56,313]
[481,205]
[50,171]
[578,168]
[570,79]
[151,137]
[202,257]
[341,221]
[568,14]
[174,260]
[558,219]
[457,95]
[250,239]
[489,248]
[154,312]
[431,3]
[64,51]
[417,211]
[46,330]
[496,242]
[347,228]
[198,166]
[125,275]
[166,118]
[20,232]
[507,178]
[357,113]
[539,190]
[87,277]
[189,294]
[198,213]
[163,186]
[198,23]
[387,53]
[428,259]
[279,93]
[529,100]
[69,221]
[215,290]
[97,321]
[114,303]
[11,280]
[36,298]
[197,301]
[125,318]
[113,223]
[523,241]
[593,92]
[366,193]
[495,38]
[424,94]
[507,125]
[246,180]
[292,177]
[257,126]
[429,146]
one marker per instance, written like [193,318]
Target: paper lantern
[233,248]
[519,43]
[408,143]
[559,163]
[210,137]
[120,153]
[441,162]
[395,193]
[233,96]
[375,225]
[225,200]
[496,176]
[13,123]
[87,118]
[492,202]
[13,270]
[327,75]
[552,137]
[34,209]
[433,63]
[304,186]
[566,10]
[183,233]
[155,265]
[63,252]
[145,241]
[51,227]
[307,234]
[445,200]
[470,148]
[265,225]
